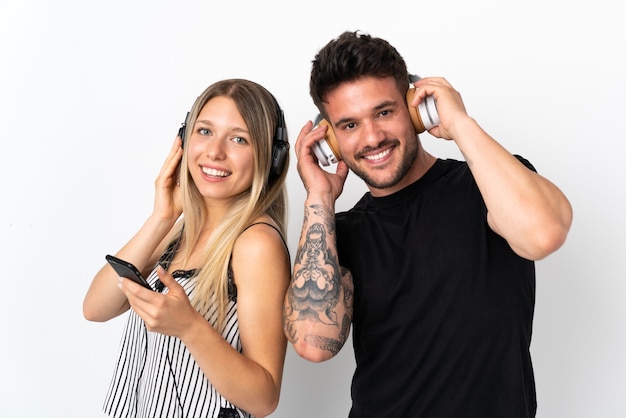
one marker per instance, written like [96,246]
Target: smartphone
[126,269]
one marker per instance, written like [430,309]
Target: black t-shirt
[443,307]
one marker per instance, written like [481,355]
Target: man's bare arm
[318,304]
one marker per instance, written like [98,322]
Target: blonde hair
[267,194]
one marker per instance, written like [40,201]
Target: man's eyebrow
[385,104]
[377,108]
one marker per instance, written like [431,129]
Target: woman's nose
[215,148]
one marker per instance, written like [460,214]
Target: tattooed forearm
[315,285]
[320,298]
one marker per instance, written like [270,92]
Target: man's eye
[349,126]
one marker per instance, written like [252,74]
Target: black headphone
[280,146]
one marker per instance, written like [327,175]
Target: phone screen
[126,269]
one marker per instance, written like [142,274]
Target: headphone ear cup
[413,112]
[425,115]
[183,130]
[280,146]
[331,139]
[280,151]
[181,134]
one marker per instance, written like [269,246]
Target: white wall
[91,96]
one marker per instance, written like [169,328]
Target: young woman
[207,339]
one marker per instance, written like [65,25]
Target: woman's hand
[167,203]
[168,313]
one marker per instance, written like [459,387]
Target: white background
[92,94]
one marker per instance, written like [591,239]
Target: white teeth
[379,155]
[214,173]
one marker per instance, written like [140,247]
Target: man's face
[374,132]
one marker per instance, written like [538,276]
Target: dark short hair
[350,56]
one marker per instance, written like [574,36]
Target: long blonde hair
[267,194]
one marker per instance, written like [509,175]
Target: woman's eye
[204,131]
[240,140]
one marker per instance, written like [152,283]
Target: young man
[434,266]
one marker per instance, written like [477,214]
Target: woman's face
[220,152]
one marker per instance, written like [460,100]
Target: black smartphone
[126,269]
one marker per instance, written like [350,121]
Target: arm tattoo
[330,344]
[327,215]
[348,291]
[315,286]
[290,332]
[323,343]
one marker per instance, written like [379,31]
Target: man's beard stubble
[408,159]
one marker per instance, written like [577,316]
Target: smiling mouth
[378,156]
[215,173]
